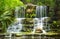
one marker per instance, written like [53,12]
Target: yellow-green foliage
[7,12]
[6,4]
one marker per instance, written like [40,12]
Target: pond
[32,36]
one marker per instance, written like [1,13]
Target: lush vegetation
[54,22]
[7,12]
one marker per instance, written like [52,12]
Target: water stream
[17,25]
[39,20]
[41,15]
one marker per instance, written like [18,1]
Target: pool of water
[31,36]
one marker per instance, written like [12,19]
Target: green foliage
[46,2]
[7,12]
[55,26]
[50,3]
[8,4]
[30,15]
[28,1]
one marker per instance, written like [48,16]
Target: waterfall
[41,15]
[41,11]
[17,26]
[20,12]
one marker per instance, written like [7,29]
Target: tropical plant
[7,12]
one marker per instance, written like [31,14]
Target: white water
[41,16]
[17,26]
[40,24]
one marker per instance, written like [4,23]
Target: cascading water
[40,17]
[17,26]
[20,12]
